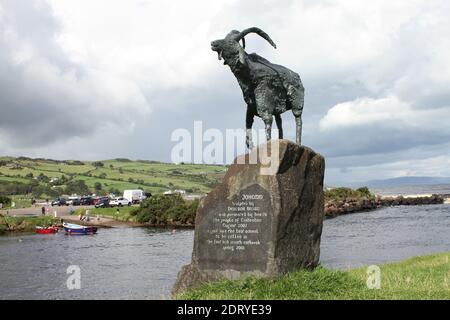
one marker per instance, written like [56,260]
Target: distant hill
[111,175]
[407,181]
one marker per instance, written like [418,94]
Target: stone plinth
[259,223]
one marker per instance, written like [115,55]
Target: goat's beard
[219,56]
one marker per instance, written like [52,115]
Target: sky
[104,79]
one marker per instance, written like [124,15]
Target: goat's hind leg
[268,123]
[248,125]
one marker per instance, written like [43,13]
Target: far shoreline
[333,208]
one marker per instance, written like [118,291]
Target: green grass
[124,213]
[19,202]
[23,224]
[425,277]
[13,179]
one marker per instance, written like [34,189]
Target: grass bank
[23,224]
[425,277]
[124,213]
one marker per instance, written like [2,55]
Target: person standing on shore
[43,210]
[88,215]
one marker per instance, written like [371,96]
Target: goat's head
[229,48]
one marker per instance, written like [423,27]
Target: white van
[134,196]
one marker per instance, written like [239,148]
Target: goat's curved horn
[259,32]
[243,42]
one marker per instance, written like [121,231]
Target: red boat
[46,230]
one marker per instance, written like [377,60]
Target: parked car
[86,201]
[76,202]
[59,202]
[119,202]
[73,201]
[103,203]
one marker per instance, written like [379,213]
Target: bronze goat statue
[268,89]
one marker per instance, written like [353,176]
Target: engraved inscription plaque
[237,235]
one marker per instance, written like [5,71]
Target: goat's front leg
[279,125]
[248,125]
[268,123]
[298,125]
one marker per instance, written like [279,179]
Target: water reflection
[140,263]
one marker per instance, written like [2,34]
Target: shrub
[364,191]
[43,178]
[14,188]
[184,214]
[98,186]
[77,187]
[5,200]
[98,164]
[165,209]
[114,191]
[344,193]
[74,163]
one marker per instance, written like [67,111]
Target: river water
[140,263]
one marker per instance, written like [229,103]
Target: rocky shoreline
[334,208]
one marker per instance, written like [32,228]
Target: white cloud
[375,72]
[435,166]
[362,112]
[389,111]
[160,44]
[48,97]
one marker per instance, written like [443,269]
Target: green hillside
[46,177]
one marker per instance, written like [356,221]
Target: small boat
[46,230]
[76,229]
